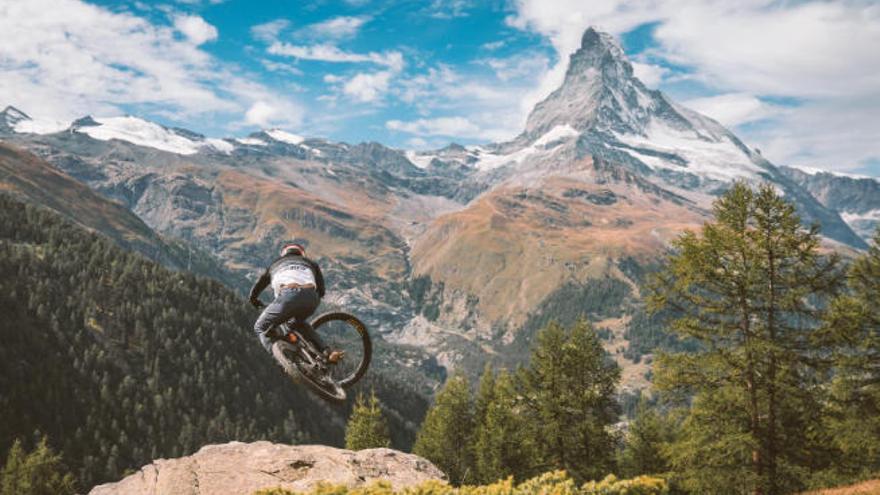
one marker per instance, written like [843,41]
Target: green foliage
[854,325]
[748,289]
[445,437]
[367,428]
[503,444]
[40,472]
[640,485]
[569,394]
[551,483]
[593,300]
[556,414]
[123,361]
[647,439]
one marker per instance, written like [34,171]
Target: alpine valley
[453,257]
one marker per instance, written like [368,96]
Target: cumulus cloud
[195,28]
[651,75]
[62,59]
[366,87]
[261,114]
[733,109]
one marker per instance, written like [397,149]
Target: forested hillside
[121,361]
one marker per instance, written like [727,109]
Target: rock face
[243,468]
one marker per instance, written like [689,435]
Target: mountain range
[460,252]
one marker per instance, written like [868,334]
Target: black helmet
[293,248]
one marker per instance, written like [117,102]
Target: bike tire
[280,350]
[353,325]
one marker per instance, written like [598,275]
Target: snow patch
[488,160]
[142,133]
[814,171]
[42,126]
[251,141]
[714,157]
[220,145]
[558,132]
[285,137]
[419,160]
[850,217]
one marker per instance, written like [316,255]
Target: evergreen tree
[569,393]
[645,442]
[40,472]
[446,435]
[367,428]
[123,361]
[748,289]
[503,446]
[854,324]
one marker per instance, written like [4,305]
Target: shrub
[551,483]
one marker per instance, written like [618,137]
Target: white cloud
[651,75]
[449,9]
[417,143]
[336,28]
[518,66]
[62,59]
[441,126]
[733,109]
[493,45]
[450,127]
[367,87]
[261,114]
[838,134]
[268,31]
[330,53]
[195,28]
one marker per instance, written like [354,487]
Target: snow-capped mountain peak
[149,134]
[599,92]
[285,137]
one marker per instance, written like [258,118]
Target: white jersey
[294,274]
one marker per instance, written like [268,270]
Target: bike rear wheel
[344,332]
[294,364]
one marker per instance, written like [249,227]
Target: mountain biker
[299,286]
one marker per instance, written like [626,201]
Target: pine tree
[645,442]
[40,472]
[446,435]
[748,289]
[854,324]
[367,428]
[569,396]
[503,446]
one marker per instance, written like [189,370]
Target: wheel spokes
[339,335]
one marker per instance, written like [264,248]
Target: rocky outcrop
[243,468]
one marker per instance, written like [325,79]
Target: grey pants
[297,304]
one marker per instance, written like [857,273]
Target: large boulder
[242,468]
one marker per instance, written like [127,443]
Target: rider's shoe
[333,357]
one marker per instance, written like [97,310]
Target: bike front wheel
[344,332]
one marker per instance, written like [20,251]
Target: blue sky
[800,80]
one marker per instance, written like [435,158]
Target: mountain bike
[302,361]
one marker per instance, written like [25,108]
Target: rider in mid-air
[299,287]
